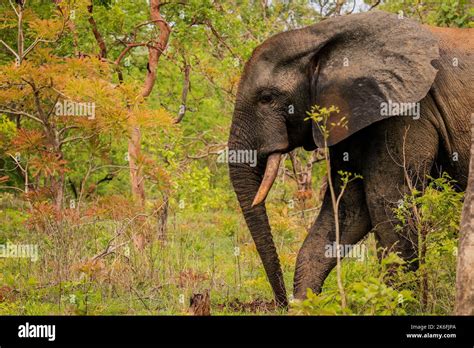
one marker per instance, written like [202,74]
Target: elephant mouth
[271,172]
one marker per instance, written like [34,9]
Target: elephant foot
[301,292]
[303,282]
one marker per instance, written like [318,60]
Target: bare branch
[213,149]
[68,140]
[128,48]
[10,49]
[221,39]
[97,34]
[155,52]
[11,188]
[22,113]
[65,129]
[374,5]
[184,93]
[13,7]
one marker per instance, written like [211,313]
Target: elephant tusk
[271,171]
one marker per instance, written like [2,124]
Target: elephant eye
[266,98]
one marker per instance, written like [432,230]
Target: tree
[61,104]
[156,46]
[465,274]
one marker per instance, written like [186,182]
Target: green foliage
[366,283]
[440,204]
[445,13]
[432,219]
[367,296]
[454,13]
[347,177]
[7,132]
[322,118]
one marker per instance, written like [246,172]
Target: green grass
[198,255]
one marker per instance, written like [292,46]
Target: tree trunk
[163,219]
[155,49]
[136,170]
[98,37]
[200,304]
[58,188]
[465,268]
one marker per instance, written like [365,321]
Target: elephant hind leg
[314,263]
[405,151]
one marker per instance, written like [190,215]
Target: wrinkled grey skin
[388,59]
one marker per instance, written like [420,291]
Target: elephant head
[355,62]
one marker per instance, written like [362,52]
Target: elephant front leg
[313,263]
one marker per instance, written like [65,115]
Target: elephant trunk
[246,181]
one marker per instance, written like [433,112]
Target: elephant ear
[362,63]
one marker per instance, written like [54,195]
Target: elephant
[360,63]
